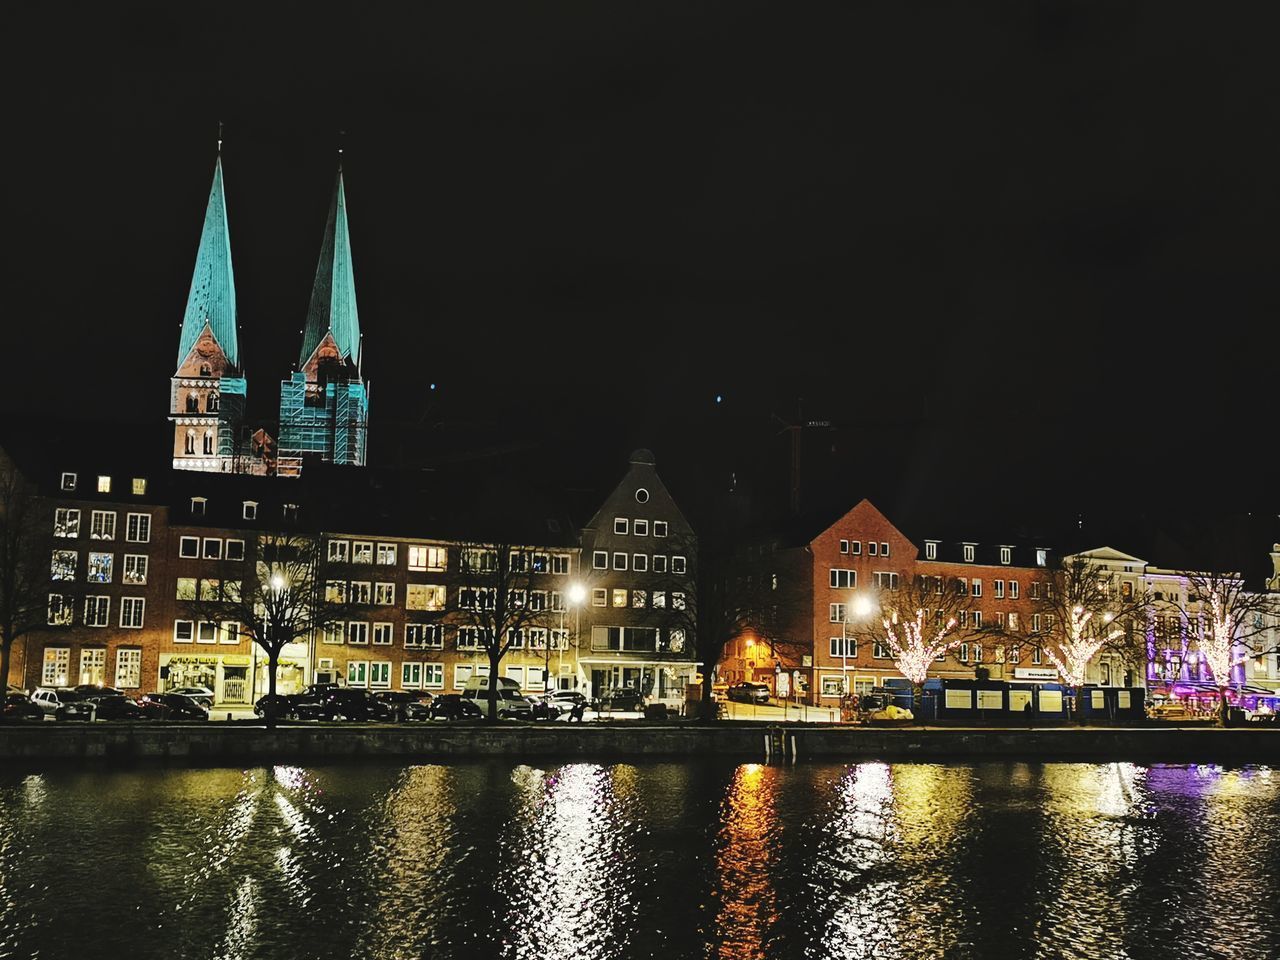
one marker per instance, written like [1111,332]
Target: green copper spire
[212,299]
[333,296]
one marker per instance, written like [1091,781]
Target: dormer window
[930,550]
[104,484]
[198,506]
[1006,555]
[68,481]
[206,370]
[250,511]
[291,511]
[968,552]
[1042,557]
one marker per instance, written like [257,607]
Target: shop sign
[236,660]
[193,661]
[1035,673]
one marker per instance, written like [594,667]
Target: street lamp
[862,607]
[576,594]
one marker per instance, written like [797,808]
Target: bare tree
[494,613]
[1083,610]
[275,596]
[1229,623]
[917,622]
[24,562]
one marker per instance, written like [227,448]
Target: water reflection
[667,860]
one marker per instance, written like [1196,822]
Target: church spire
[212,300]
[333,295]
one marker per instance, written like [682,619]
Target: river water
[672,860]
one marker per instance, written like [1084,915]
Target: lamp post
[862,607]
[575,595]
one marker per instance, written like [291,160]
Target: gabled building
[324,405]
[207,393]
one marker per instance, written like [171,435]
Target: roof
[333,295]
[212,299]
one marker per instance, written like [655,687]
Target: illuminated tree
[1229,622]
[24,562]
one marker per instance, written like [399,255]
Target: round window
[642,495]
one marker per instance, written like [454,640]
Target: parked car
[343,703]
[452,706]
[748,692]
[405,704]
[568,699]
[622,698]
[92,691]
[201,695]
[117,708]
[282,705]
[171,706]
[18,708]
[63,703]
[511,703]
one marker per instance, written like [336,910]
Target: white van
[511,702]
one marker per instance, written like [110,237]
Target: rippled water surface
[657,859]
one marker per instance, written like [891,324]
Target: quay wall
[236,744]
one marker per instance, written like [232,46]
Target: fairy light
[911,647]
[1079,645]
[1217,643]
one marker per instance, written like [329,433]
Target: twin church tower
[324,405]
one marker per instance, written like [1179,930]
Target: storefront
[662,681]
[291,671]
[226,675]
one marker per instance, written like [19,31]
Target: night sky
[1020,256]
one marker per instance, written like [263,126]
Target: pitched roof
[212,299]
[333,295]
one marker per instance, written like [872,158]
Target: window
[659,563]
[977,588]
[880,651]
[855,548]
[599,597]
[642,495]
[998,585]
[383,633]
[1015,654]
[357,632]
[128,668]
[1006,555]
[559,639]
[131,612]
[206,631]
[600,560]
[424,635]
[619,561]
[427,558]
[210,589]
[844,546]
[640,528]
[384,594]
[977,619]
[387,554]
[339,551]
[183,631]
[640,562]
[380,674]
[1035,589]
[137,528]
[189,446]
[103,525]
[333,633]
[212,548]
[538,600]
[659,599]
[842,647]
[68,481]
[461,674]
[335,591]
[104,484]
[61,609]
[968,552]
[229,632]
[619,598]
[1036,656]
[541,563]
[537,638]
[469,638]
[1042,557]
[477,598]
[1013,621]
[639,599]
[1035,623]
[836,612]
[410,676]
[560,564]
[659,528]
[1000,621]
[66,522]
[962,653]
[56,666]
[873,548]
[930,550]
[425,596]
[481,561]
[186,588]
[63,566]
[100,567]
[1013,589]
[290,512]
[884,549]
[198,505]
[843,579]
[620,526]
[189,546]
[360,592]
[97,611]
[886,581]
[357,673]
[677,565]
[362,551]
[976,650]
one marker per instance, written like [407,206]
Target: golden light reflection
[568,896]
[744,858]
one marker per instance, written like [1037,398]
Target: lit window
[104,484]
[619,598]
[1042,557]
[387,554]
[139,486]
